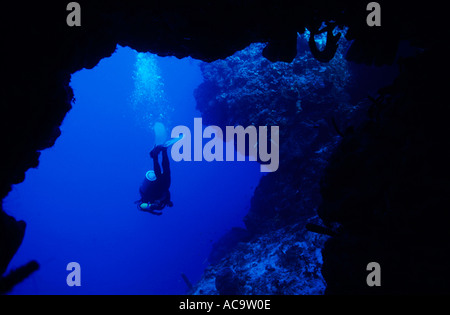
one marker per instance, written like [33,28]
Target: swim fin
[170,142]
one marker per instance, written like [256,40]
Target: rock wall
[286,261]
[387,187]
[302,98]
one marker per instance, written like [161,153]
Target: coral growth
[283,262]
[304,98]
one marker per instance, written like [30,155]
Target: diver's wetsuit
[157,192]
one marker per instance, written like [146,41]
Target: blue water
[79,203]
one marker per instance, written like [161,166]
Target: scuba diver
[154,191]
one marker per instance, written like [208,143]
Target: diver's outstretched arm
[153,212]
[151,208]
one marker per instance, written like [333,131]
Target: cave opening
[80,200]
[86,184]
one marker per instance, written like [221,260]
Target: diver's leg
[166,168]
[156,166]
[167,201]
[165,162]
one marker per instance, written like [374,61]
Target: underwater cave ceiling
[40,52]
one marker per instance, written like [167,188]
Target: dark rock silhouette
[11,236]
[16,276]
[387,186]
